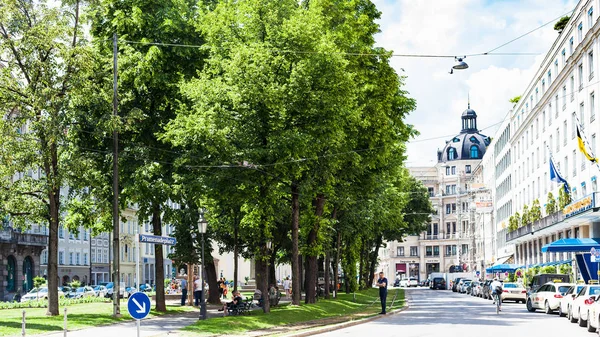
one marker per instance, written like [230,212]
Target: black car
[455,284]
[397,283]
[438,283]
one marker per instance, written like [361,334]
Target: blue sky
[458,27]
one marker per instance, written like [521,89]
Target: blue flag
[555,176]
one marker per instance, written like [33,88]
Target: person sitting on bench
[237,300]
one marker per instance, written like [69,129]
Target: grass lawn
[78,316]
[367,304]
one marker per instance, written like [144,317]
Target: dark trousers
[197,297]
[183,296]
[383,297]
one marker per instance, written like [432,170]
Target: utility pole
[116,280]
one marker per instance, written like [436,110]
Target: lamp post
[202,224]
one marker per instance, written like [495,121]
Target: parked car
[413,282]
[110,289]
[541,279]
[456,283]
[513,291]
[82,292]
[547,297]
[129,291]
[567,300]
[403,282]
[396,284]
[579,310]
[463,287]
[593,324]
[39,294]
[475,288]
[100,291]
[147,288]
[438,283]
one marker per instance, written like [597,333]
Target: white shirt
[198,285]
[495,284]
[286,284]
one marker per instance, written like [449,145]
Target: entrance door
[27,274]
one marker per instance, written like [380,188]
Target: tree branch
[15,52]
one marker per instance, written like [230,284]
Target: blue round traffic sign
[138,305]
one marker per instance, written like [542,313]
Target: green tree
[535,213]
[43,62]
[514,222]
[518,219]
[75,284]
[551,206]
[515,100]
[38,281]
[561,23]
[564,198]
[525,217]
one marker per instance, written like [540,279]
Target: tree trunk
[326,271]
[312,267]
[337,261]
[373,262]
[301,285]
[272,278]
[235,255]
[296,263]
[361,263]
[211,279]
[159,263]
[262,279]
[53,254]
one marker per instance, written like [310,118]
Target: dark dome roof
[469,144]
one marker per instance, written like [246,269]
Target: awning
[502,260]
[571,245]
[546,264]
[503,268]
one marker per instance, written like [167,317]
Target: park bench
[241,308]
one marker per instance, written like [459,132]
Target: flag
[555,176]
[583,149]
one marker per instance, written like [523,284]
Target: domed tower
[469,144]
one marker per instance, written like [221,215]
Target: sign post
[138,306]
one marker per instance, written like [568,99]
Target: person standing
[183,291]
[382,284]
[286,287]
[197,291]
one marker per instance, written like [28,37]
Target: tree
[525,218]
[561,23]
[515,100]
[514,222]
[551,206]
[517,216]
[564,198]
[535,213]
[43,62]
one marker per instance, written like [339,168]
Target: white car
[579,310]
[404,282]
[100,291]
[567,300]
[513,291]
[39,294]
[83,292]
[413,282]
[547,297]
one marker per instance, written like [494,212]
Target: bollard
[23,325]
[65,324]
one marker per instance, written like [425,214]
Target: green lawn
[366,304]
[78,316]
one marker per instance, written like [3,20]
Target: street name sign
[157,240]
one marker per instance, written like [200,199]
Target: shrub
[551,204]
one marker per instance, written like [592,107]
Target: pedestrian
[382,284]
[197,291]
[286,287]
[183,291]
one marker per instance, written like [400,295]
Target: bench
[240,309]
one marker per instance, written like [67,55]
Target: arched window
[451,153]
[474,152]
[28,273]
[12,273]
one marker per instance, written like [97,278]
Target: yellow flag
[583,149]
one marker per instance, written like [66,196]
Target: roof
[571,245]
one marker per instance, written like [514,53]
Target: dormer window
[474,152]
[455,140]
[452,154]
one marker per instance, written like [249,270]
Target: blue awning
[503,268]
[571,245]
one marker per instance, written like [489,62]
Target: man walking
[183,291]
[382,284]
[197,291]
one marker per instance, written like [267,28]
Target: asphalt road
[438,313]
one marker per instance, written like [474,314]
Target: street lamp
[460,64]
[202,224]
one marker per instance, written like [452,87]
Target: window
[537,128]
[592,107]
[85,259]
[77,261]
[450,250]
[61,232]
[582,115]
[566,165]
[544,149]
[593,145]
[543,120]
[572,81]
[44,258]
[571,46]
[543,86]
[448,208]
[474,152]
[454,208]
[93,257]
[430,191]
[580,32]
[580,72]
[61,258]
[467,168]
[556,66]
[428,250]
[453,169]
[591,64]
[583,161]
[574,156]
[464,249]
[556,107]
[400,251]
[436,250]
[549,114]
[594,184]
[564,93]
[545,182]
[565,133]
[573,125]
[71,258]
[564,57]
[536,96]
[549,77]
[557,140]
[451,153]
[447,170]
[590,17]
[414,251]
[85,235]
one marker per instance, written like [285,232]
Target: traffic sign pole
[138,306]
[137,273]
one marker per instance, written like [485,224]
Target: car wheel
[580,321]
[560,312]
[530,307]
[590,328]
[570,316]
[547,308]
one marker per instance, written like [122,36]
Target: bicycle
[498,301]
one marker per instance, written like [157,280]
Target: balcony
[9,235]
[440,236]
[542,223]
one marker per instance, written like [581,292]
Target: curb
[343,325]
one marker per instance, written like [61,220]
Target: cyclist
[496,288]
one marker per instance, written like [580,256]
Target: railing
[440,236]
[542,223]
[11,236]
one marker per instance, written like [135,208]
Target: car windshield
[510,285]
[80,290]
[563,289]
[595,290]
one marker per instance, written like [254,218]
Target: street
[444,313]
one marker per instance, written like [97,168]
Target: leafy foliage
[551,206]
[535,213]
[561,23]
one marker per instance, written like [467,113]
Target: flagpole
[586,142]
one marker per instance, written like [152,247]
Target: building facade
[446,245]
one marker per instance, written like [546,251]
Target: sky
[463,27]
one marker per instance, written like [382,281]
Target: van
[538,280]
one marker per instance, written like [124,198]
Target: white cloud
[459,27]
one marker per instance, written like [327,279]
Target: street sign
[157,240]
[138,305]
